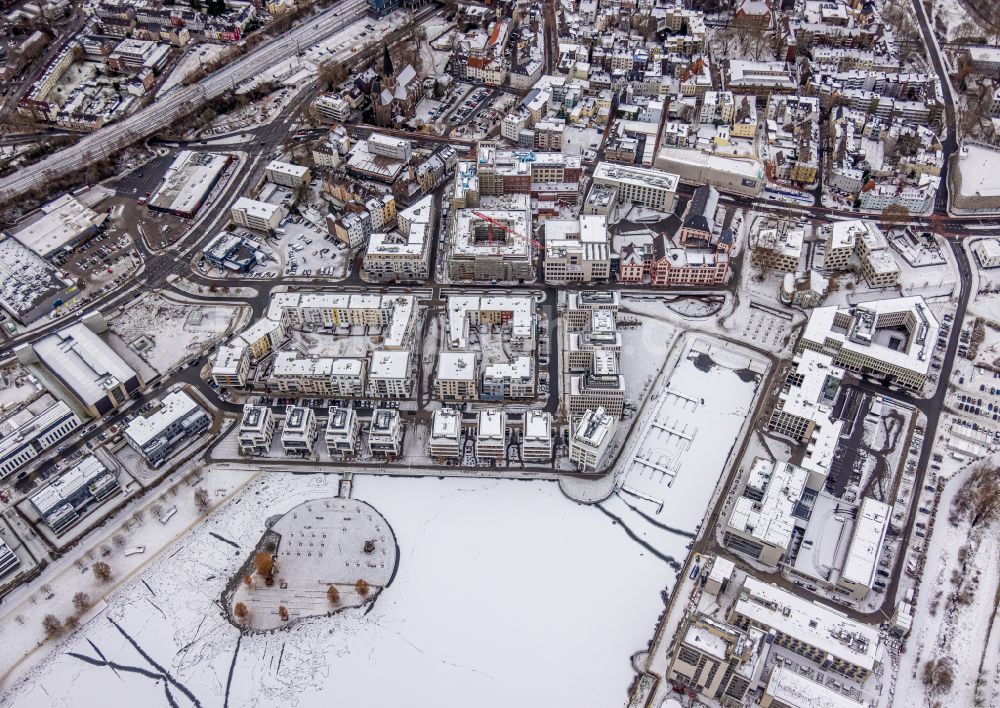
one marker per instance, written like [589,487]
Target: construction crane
[500,225]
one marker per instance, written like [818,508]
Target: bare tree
[362,587]
[241,611]
[119,540]
[979,497]
[102,572]
[248,580]
[895,215]
[202,502]
[332,595]
[938,675]
[52,625]
[264,564]
[283,613]
[81,601]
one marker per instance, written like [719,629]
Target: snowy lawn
[494,604]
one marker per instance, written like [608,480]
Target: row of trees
[242,612]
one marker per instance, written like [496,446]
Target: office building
[892,339]
[62,502]
[812,630]
[258,216]
[492,244]
[774,502]
[787,688]
[577,250]
[85,366]
[589,438]
[871,525]
[26,435]
[716,659]
[580,306]
[156,434]
[645,187]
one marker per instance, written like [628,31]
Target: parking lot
[107,258]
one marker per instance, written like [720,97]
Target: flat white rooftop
[870,528]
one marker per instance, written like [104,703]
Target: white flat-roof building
[188,182]
[343,431]
[646,187]
[892,338]
[536,443]
[259,216]
[807,398]
[780,250]
[870,528]
[287,174]
[491,434]
[256,430]
[26,435]
[492,243]
[300,429]
[446,434]
[789,689]
[30,286]
[814,631]
[589,438]
[178,417]
[987,250]
[61,503]
[581,305]
[577,250]
[771,505]
[389,375]
[388,146]
[60,224]
[403,254]
[86,366]
[385,436]
[457,376]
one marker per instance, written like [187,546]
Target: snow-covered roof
[83,362]
[791,688]
[870,528]
[389,365]
[810,622]
[770,517]
[188,181]
[457,366]
[173,407]
[58,223]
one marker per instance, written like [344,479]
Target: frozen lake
[507,593]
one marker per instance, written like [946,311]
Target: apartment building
[342,432]
[536,441]
[256,430]
[389,375]
[446,434]
[491,434]
[298,436]
[589,438]
[385,434]
[403,254]
[457,376]
[287,174]
[492,244]
[295,374]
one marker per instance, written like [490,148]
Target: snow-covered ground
[195,56]
[954,605]
[504,612]
[164,332]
